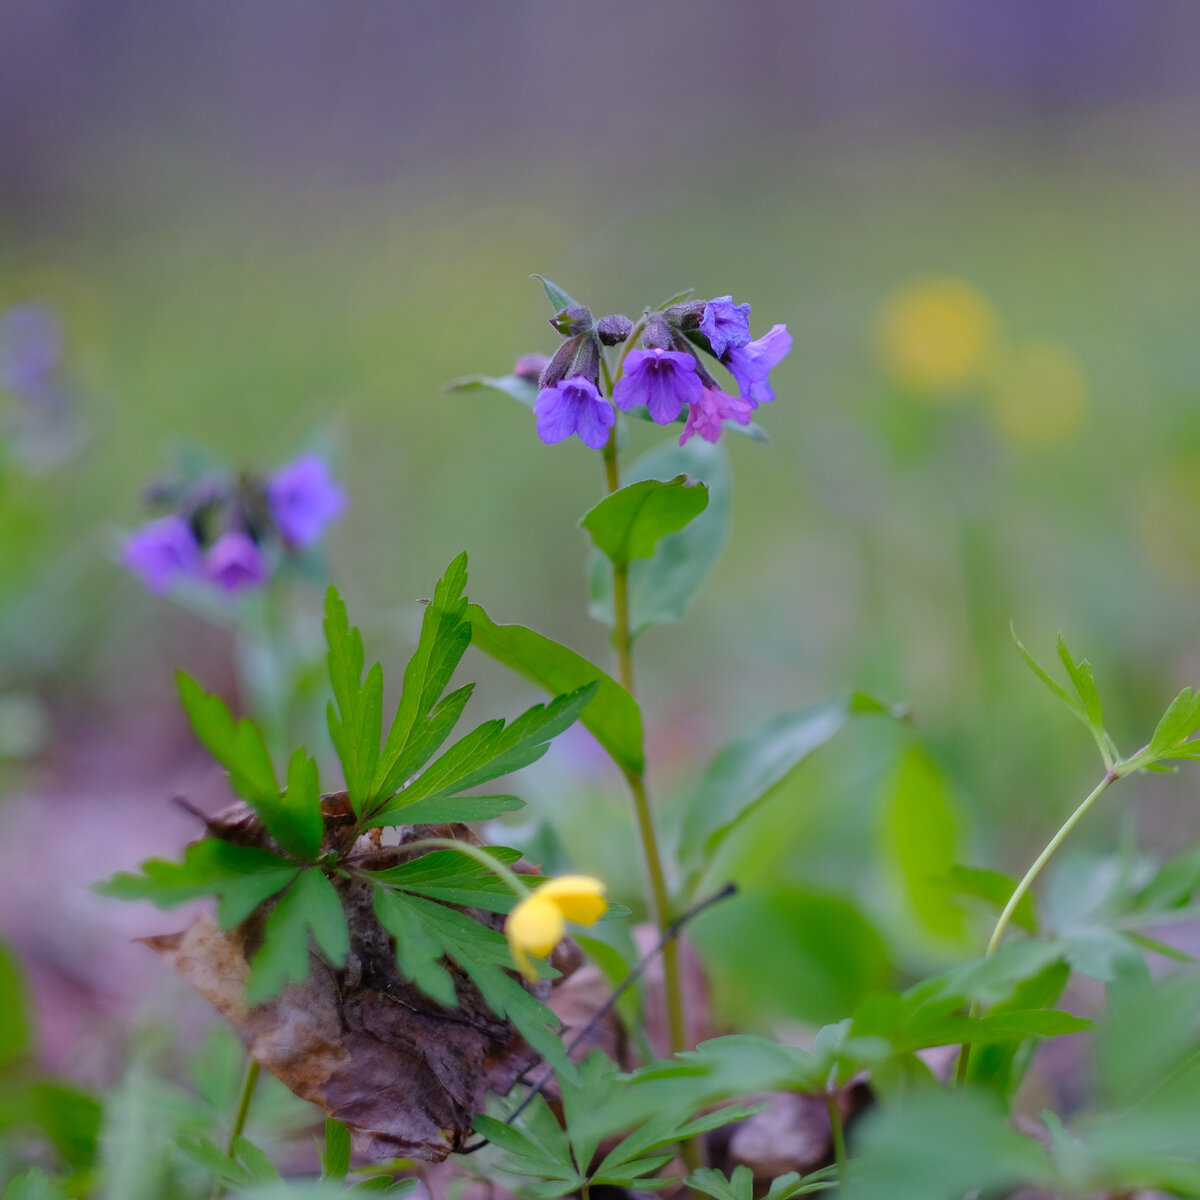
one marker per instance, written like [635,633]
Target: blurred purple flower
[304,498]
[530,366]
[30,347]
[725,324]
[714,406]
[751,364]
[161,552]
[662,380]
[235,562]
[574,406]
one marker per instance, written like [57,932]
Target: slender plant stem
[838,1130]
[249,1083]
[643,813]
[1110,776]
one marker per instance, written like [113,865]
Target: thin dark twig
[669,934]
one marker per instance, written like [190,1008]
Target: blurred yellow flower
[937,335]
[538,923]
[1169,521]
[1040,395]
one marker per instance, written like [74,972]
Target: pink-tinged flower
[161,553]
[706,414]
[304,498]
[234,562]
[574,406]
[661,380]
[725,324]
[751,364]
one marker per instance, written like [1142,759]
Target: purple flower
[30,347]
[726,325]
[751,364]
[714,406]
[663,380]
[161,552]
[234,562]
[303,499]
[574,406]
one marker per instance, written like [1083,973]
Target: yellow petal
[579,898]
[535,926]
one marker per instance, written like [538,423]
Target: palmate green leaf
[558,297]
[523,390]
[426,931]
[310,907]
[631,522]
[487,752]
[261,1168]
[1080,674]
[743,774]
[662,587]
[740,1185]
[419,728]
[241,876]
[612,715]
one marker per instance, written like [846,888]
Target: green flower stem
[479,854]
[243,1111]
[838,1132]
[1110,776]
[644,815]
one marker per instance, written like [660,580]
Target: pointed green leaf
[335,1159]
[558,297]
[417,732]
[1081,676]
[523,390]
[994,888]
[662,587]
[631,522]
[1041,672]
[237,747]
[921,825]
[612,716]
[300,809]
[1177,724]
[744,773]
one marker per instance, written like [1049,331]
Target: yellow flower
[538,923]
[937,335]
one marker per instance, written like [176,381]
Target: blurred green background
[256,221]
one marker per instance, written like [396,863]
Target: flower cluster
[231,533]
[538,923]
[665,380]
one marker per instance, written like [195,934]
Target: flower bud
[573,320]
[614,329]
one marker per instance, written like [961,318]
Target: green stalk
[243,1111]
[838,1131]
[643,813]
[1111,776]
